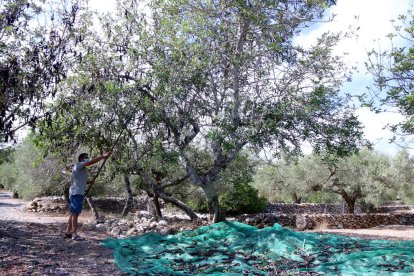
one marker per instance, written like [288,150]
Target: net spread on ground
[234,248]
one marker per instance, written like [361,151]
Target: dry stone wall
[297,216]
[327,221]
[308,208]
[57,204]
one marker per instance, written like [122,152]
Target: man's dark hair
[81,156]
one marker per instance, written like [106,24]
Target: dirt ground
[33,244]
[384,232]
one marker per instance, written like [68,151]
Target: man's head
[82,157]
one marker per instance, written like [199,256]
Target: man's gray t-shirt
[78,179]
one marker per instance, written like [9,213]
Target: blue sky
[373,17]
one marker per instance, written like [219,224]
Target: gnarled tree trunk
[156,201]
[296,199]
[350,200]
[129,197]
[216,214]
[180,205]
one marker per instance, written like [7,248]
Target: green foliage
[367,177]
[8,175]
[403,172]
[34,58]
[293,180]
[242,198]
[6,155]
[30,174]
[393,75]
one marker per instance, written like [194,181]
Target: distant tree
[295,180]
[403,175]
[365,177]
[7,169]
[30,174]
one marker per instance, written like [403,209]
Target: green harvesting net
[232,248]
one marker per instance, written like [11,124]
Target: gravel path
[32,244]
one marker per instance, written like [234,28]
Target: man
[77,189]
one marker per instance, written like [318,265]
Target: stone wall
[308,208]
[57,204]
[352,221]
[267,219]
[50,204]
[327,221]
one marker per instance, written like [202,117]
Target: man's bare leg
[75,224]
[69,229]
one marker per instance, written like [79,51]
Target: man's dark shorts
[76,204]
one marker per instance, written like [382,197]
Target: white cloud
[103,6]
[373,17]
[375,129]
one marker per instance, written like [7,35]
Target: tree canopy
[221,76]
[37,39]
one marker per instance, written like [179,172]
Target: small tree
[365,175]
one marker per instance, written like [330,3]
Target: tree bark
[296,199]
[350,201]
[216,214]
[92,206]
[66,195]
[180,205]
[351,206]
[157,205]
[129,197]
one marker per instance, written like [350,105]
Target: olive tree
[294,180]
[363,176]
[367,177]
[221,76]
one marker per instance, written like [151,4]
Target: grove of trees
[367,178]
[194,90]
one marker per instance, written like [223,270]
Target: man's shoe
[77,238]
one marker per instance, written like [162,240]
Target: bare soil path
[383,232]
[33,244]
